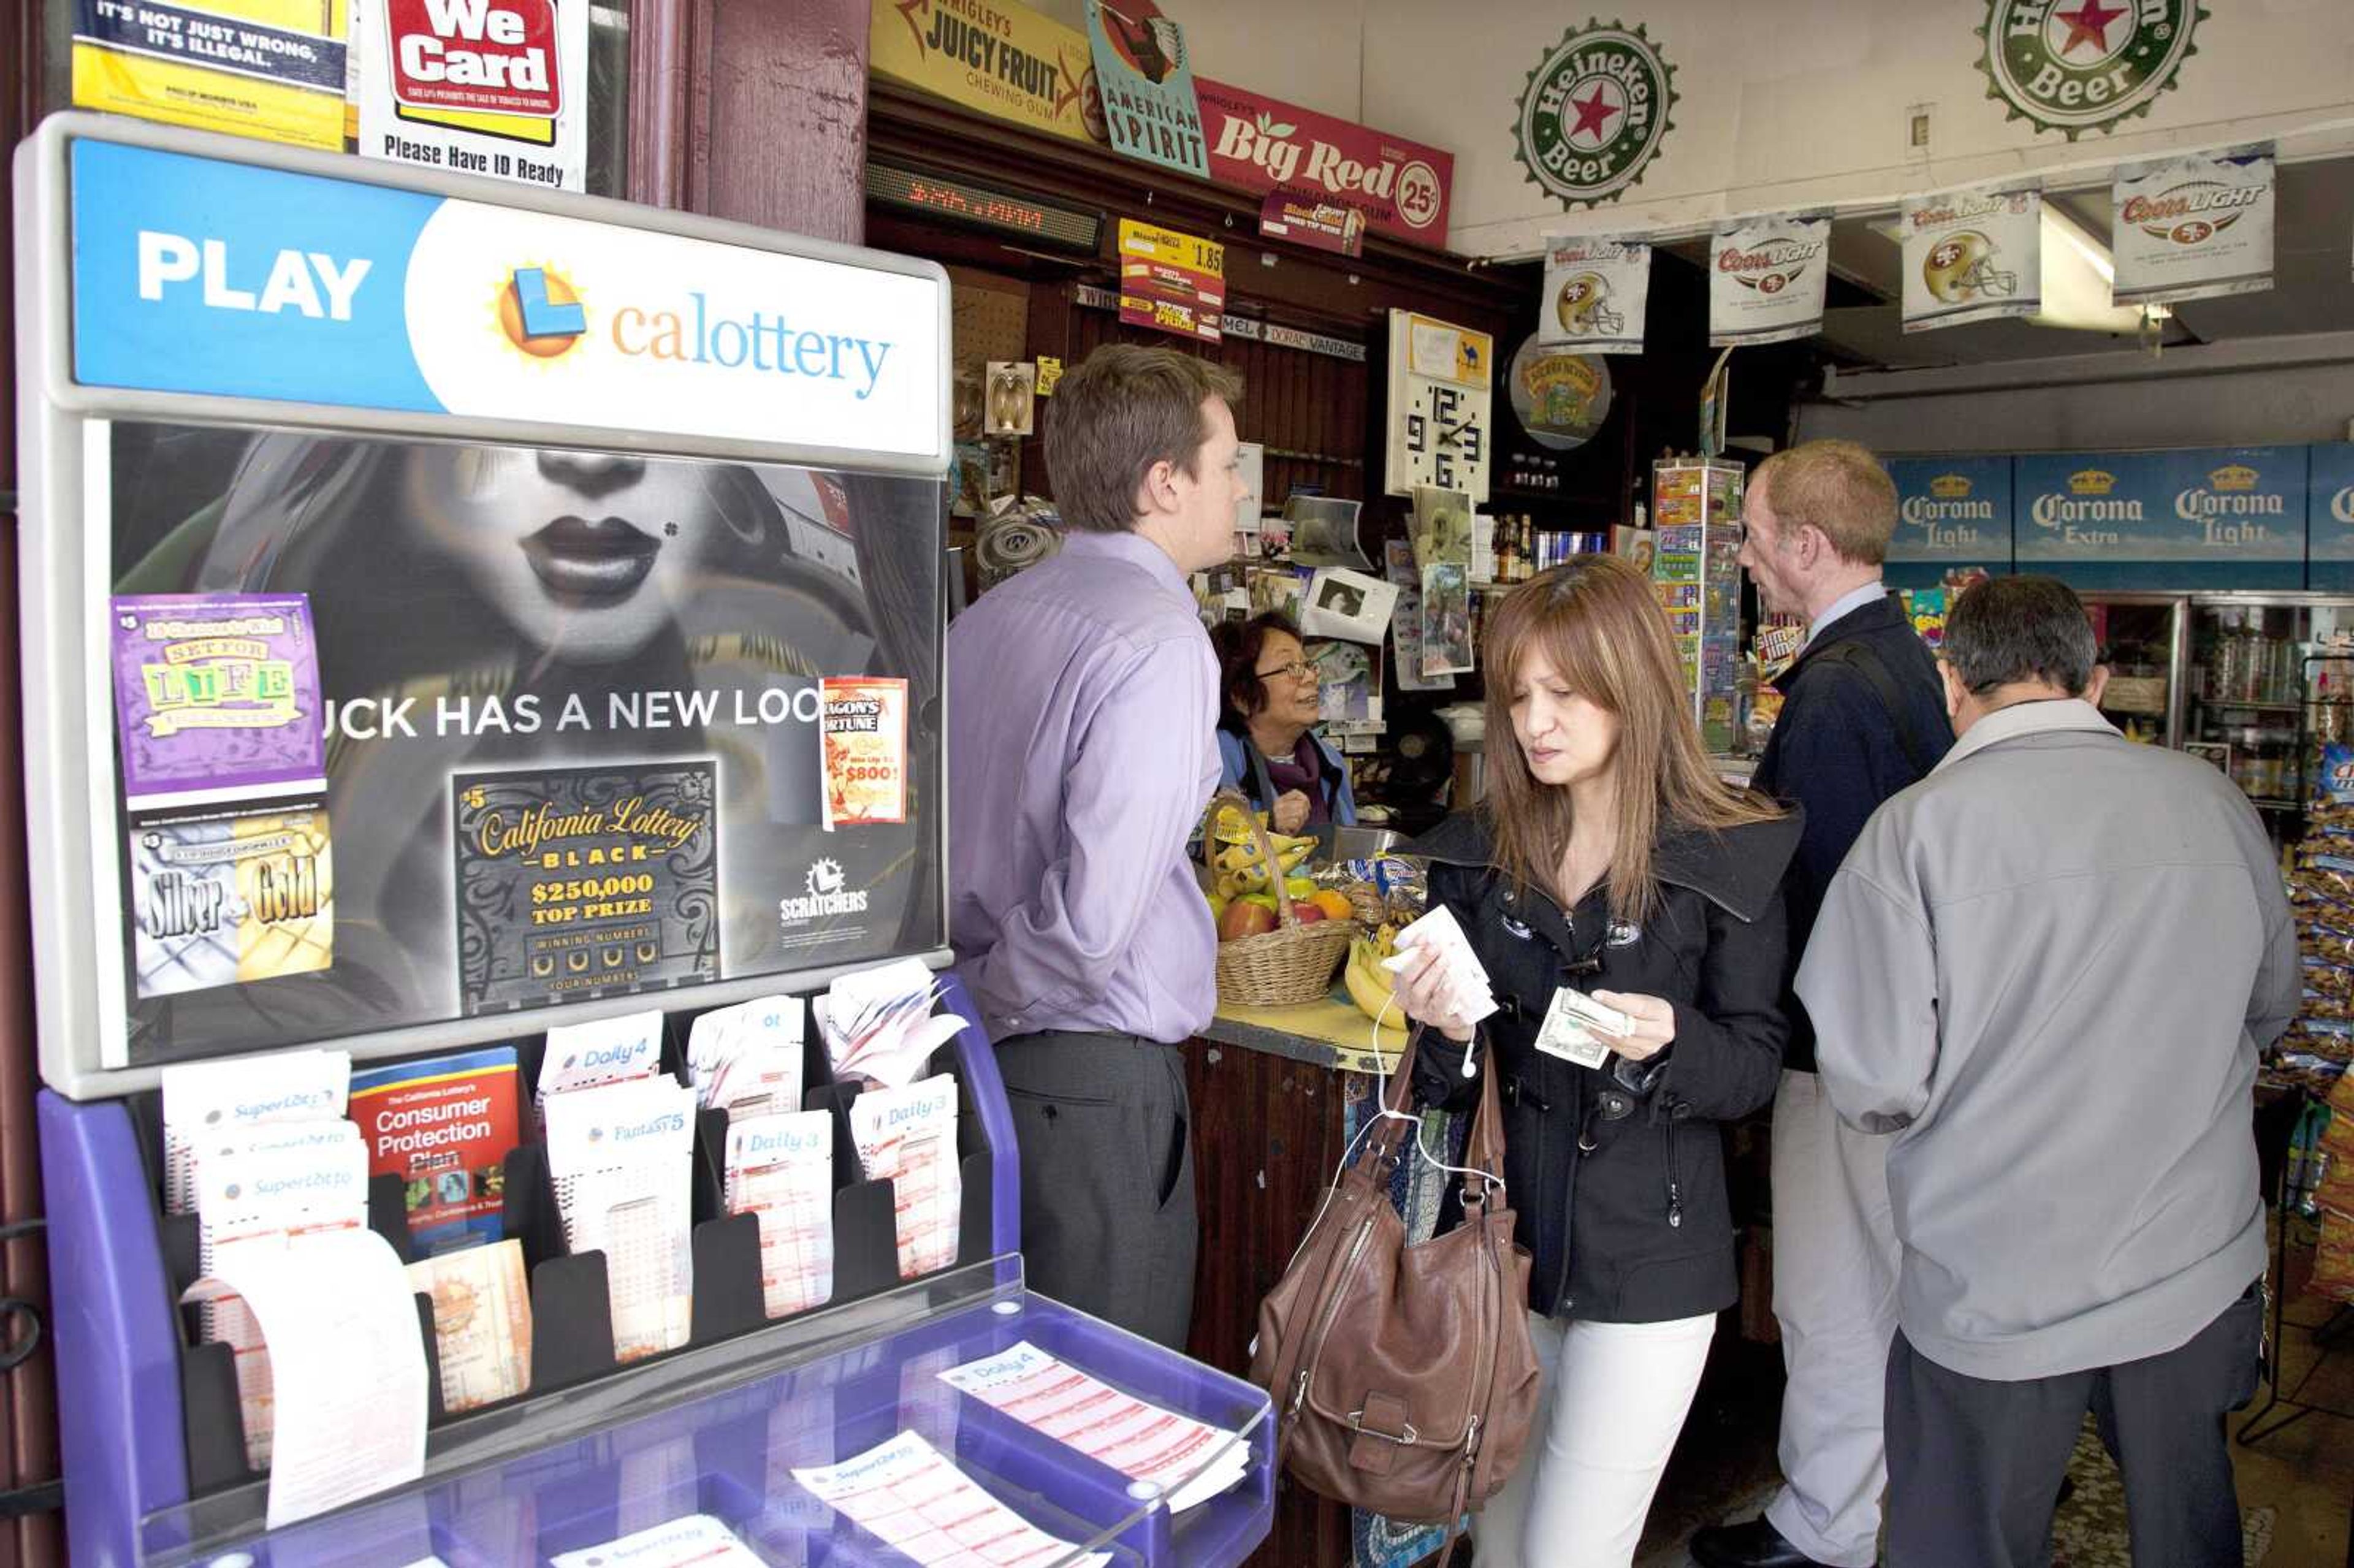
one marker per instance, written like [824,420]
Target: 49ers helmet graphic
[1584,306]
[1961,267]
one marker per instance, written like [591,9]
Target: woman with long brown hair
[1608,859]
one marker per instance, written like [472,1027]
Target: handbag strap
[1483,1151]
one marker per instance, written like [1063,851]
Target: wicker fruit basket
[1290,965]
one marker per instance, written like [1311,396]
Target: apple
[1307,914]
[1245,919]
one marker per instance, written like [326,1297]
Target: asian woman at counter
[1268,704]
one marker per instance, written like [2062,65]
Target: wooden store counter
[1271,1087]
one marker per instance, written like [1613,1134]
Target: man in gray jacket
[2047,970]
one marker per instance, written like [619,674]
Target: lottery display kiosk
[452,611]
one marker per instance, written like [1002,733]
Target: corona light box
[2215,518]
[1952,514]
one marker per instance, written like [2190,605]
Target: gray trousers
[1835,1263]
[1975,1465]
[1108,1223]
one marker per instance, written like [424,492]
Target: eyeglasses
[1299,670]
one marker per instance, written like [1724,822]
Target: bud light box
[2330,518]
[2215,518]
[1952,514]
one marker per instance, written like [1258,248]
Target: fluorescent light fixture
[2077,275]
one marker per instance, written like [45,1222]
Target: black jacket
[1620,1190]
[1835,754]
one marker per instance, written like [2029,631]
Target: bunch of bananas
[1369,984]
[1240,868]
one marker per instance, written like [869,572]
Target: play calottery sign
[196,275]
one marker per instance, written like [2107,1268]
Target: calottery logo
[540,312]
[1594,112]
[2073,65]
[542,315]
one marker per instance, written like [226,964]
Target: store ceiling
[2311,290]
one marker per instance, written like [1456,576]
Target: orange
[1336,905]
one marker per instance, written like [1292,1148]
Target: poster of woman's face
[510,639]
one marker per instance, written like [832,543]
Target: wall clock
[1439,430]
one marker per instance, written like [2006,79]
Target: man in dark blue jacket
[1862,717]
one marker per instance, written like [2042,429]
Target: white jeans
[1835,1263]
[1615,1397]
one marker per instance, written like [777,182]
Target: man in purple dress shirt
[1083,706]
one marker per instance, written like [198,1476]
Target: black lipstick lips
[587,563]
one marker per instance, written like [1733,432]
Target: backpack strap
[1856,654]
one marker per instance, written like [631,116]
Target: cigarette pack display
[444,1126]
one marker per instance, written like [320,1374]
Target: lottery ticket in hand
[1466,989]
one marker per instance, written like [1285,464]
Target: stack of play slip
[910,1137]
[879,1023]
[620,1156]
[915,1501]
[697,1539]
[781,1167]
[1188,1460]
[608,1050]
[205,1099]
[747,1059]
[269,1185]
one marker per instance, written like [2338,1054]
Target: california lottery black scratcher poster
[579,884]
[564,629]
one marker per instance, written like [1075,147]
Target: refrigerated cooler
[450,612]
[2228,676]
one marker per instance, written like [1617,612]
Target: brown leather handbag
[1402,1376]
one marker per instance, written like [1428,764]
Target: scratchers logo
[827,896]
[543,313]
